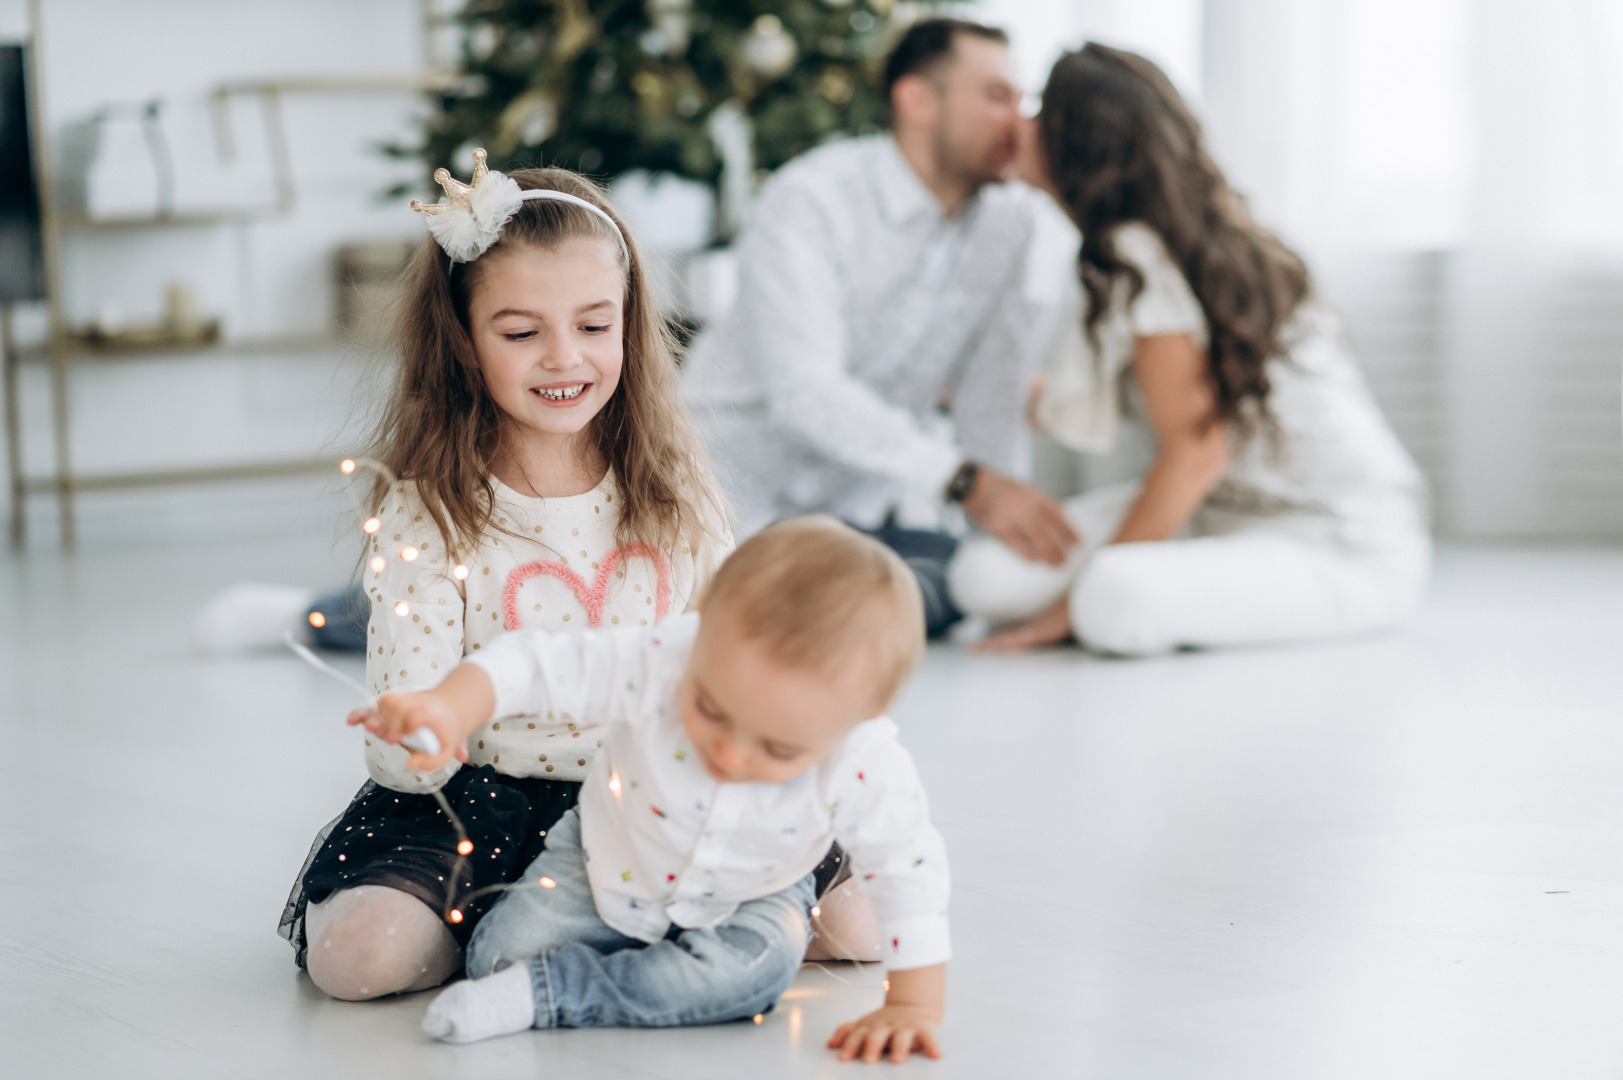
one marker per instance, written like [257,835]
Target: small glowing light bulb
[455,916]
[402,609]
[887,984]
[409,553]
[346,466]
[548,883]
[816,910]
[460,572]
[317,619]
[465,847]
[614,782]
[372,525]
[758,1018]
[377,564]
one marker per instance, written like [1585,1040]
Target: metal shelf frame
[62,353]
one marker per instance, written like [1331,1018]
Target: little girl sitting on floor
[550,480]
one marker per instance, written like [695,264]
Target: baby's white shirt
[665,844]
[550,564]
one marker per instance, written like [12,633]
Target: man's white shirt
[665,844]
[875,343]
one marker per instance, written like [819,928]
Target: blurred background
[193,294]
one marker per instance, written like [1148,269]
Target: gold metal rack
[62,353]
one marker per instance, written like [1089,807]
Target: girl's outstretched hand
[899,1028]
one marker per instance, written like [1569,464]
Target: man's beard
[973,172]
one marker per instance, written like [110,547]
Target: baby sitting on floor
[741,743]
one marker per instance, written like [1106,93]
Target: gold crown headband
[471,216]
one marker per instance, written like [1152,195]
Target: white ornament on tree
[769,50]
[672,27]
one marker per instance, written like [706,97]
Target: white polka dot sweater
[552,564]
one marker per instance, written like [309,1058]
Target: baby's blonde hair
[818,593]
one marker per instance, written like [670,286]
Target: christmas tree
[609,86]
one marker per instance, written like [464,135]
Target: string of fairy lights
[424,739]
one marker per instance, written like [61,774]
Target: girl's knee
[371,941]
[847,926]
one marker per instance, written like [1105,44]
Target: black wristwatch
[962,484]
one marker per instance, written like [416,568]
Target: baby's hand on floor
[902,1028]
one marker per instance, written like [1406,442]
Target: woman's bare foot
[1051,626]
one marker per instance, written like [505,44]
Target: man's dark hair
[926,44]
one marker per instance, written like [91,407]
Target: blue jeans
[586,974]
[927,554]
[347,614]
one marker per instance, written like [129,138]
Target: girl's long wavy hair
[1122,146]
[441,428]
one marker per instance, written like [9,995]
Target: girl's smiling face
[548,326]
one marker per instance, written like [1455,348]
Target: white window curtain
[1470,154]
[1453,170]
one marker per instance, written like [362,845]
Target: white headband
[470,217]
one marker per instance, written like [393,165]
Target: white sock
[475,1009]
[251,616]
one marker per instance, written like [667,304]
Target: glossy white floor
[1385,858]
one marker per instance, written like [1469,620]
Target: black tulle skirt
[405,842]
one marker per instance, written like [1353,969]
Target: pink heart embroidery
[594,598]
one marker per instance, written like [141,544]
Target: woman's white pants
[1242,581]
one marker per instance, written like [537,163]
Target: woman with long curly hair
[1279,505]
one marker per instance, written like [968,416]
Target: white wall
[1167,31]
[266,278]
[1488,133]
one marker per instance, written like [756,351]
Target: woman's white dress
[1318,527]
